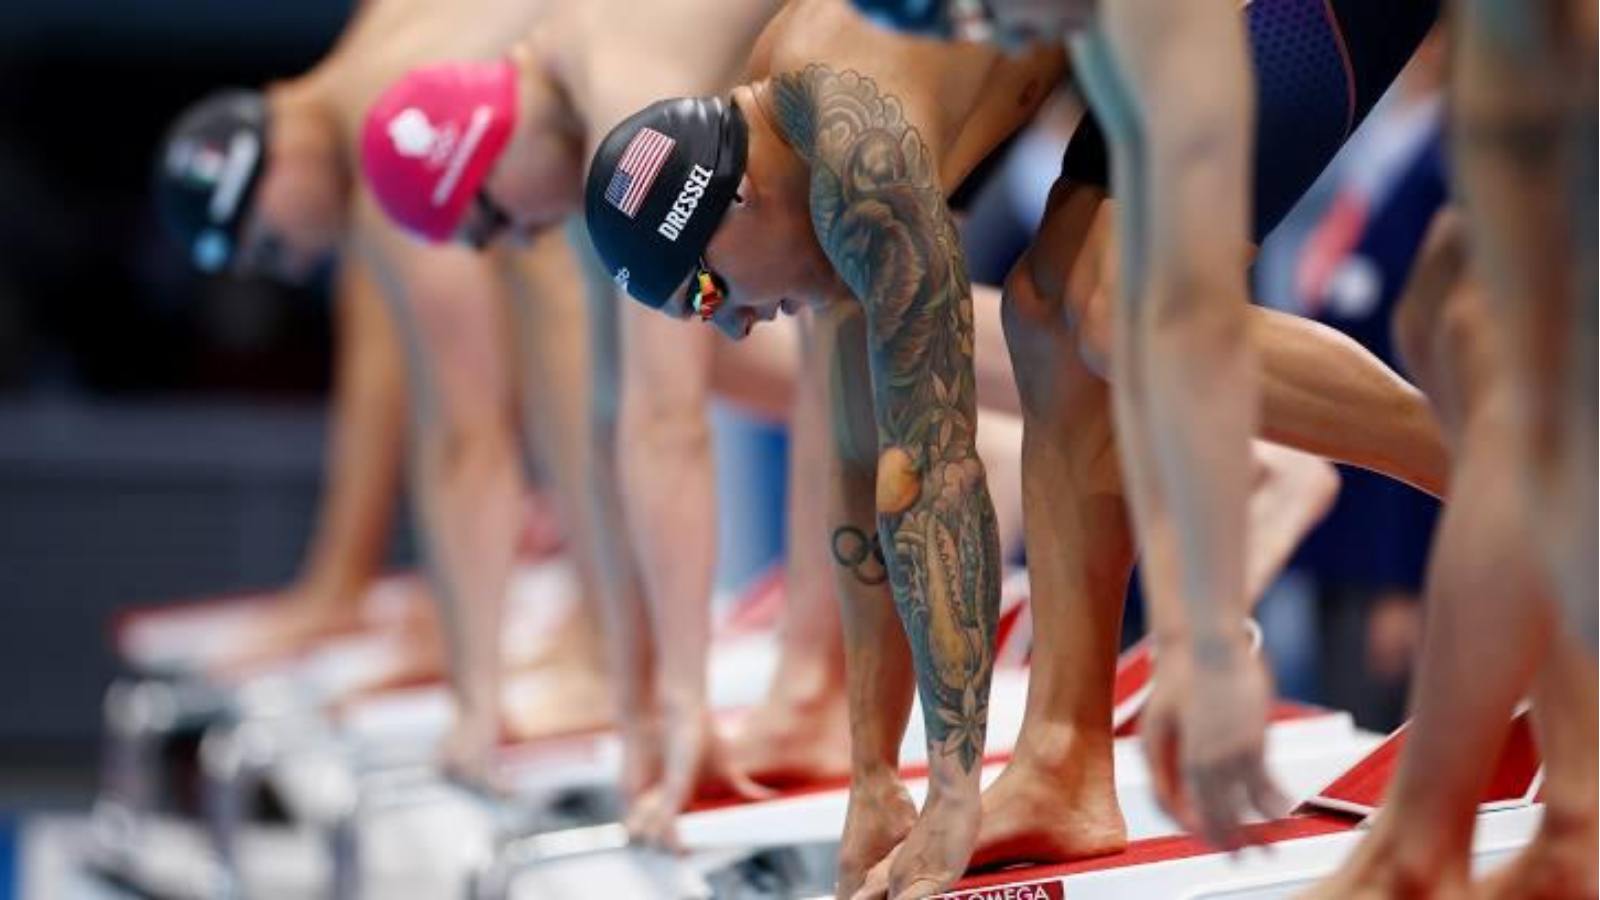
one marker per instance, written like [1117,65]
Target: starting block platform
[449,842]
[1297,852]
[452,840]
[785,847]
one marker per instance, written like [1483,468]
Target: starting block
[168,650]
[1517,781]
[1304,848]
[338,778]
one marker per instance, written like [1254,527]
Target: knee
[1025,306]
[1093,326]
[1440,265]
[1413,329]
[469,445]
[1030,322]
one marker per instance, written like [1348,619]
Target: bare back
[964,98]
[386,38]
[614,57]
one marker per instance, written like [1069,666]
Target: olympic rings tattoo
[861,553]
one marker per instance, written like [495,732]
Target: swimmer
[265,181]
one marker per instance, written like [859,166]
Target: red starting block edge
[1517,780]
[1049,882]
[134,629]
[1342,806]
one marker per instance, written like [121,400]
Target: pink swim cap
[430,140]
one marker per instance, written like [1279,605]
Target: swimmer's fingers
[876,885]
[1219,798]
[652,823]
[1160,737]
[1266,797]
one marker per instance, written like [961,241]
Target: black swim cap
[210,164]
[657,190]
[944,19]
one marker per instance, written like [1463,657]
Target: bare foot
[1376,871]
[556,700]
[289,626]
[879,818]
[1034,814]
[1559,864]
[572,641]
[417,653]
[787,741]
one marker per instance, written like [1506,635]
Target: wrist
[869,776]
[642,726]
[951,782]
[679,697]
[1219,641]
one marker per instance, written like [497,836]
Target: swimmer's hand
[935,853]
[879,817]
[1204,736]
[695,763]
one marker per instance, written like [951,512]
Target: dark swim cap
[657,190]
[944,19]
[211,162]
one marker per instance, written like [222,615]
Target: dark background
[160,432]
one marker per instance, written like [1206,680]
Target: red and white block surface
[1302,848]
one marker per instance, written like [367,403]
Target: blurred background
[161,432]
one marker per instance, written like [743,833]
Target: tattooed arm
[881,217]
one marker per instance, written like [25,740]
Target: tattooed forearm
[881,216]
[861,554]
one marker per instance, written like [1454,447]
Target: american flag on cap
[641,163]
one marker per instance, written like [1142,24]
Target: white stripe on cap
[458,162]
[244,151]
